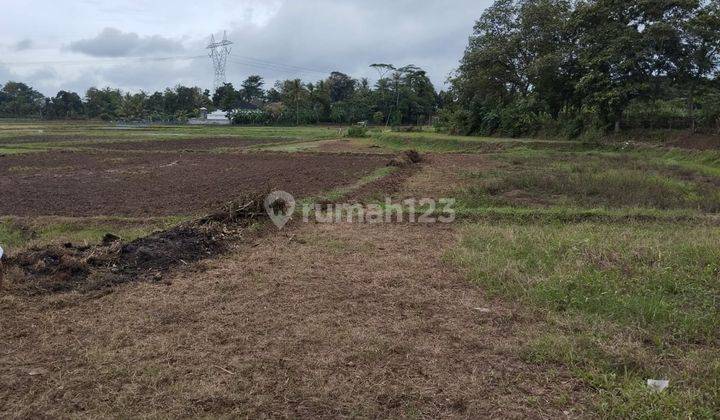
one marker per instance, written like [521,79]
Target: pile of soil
[409,157]
[65,268]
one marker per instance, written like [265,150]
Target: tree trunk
[617,126]
[691,110]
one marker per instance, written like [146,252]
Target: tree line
[403,95]
[532,67]
[572,67]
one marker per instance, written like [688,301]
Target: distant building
[213,118]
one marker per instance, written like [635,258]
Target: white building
[213,118]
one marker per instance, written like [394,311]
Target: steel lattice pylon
[219,51]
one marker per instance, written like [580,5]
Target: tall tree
[226,97]
[20,100]
[685,42]
[103,103]
[252,89]
[294,92]
[341,86]
[64,105]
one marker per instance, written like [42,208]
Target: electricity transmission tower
[219,51]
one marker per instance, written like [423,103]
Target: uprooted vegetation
[61,268]
[409,157]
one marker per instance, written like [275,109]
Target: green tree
[252,89]
[64,105]
[133,107]
[226,97]
[685,42]
[103,103]
[20,100]
[295,94]
[341,86]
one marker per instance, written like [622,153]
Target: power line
[274,67]
[242,60]
[289,66]
[239,60]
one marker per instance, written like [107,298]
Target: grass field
[617,248]
[597,267]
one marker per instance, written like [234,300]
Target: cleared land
[573,274]
[162,184]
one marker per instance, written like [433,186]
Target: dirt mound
[64,268]
[409,157]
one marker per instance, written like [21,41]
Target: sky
[150,45]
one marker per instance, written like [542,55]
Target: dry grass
[335,321]
[326,321]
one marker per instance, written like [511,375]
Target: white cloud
[23,45]
[343,35]
[113,42]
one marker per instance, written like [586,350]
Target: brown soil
[181,145]
[442,175]
[327,321]
[349,146]
[318,321]
[160,184]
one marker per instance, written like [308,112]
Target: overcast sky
[76,44]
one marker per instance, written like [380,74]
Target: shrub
[252,117]
[378,118]
[357,131]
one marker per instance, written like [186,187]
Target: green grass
[571,214]
[288,147]
[441,143]
[18,233]
[626,302]
[590,180]
[339,193]
[616,250]
[45,136]
[18,150]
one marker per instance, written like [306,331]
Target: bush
[378,118]
[357,131]
[254,117]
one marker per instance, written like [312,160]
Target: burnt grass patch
[63,268]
